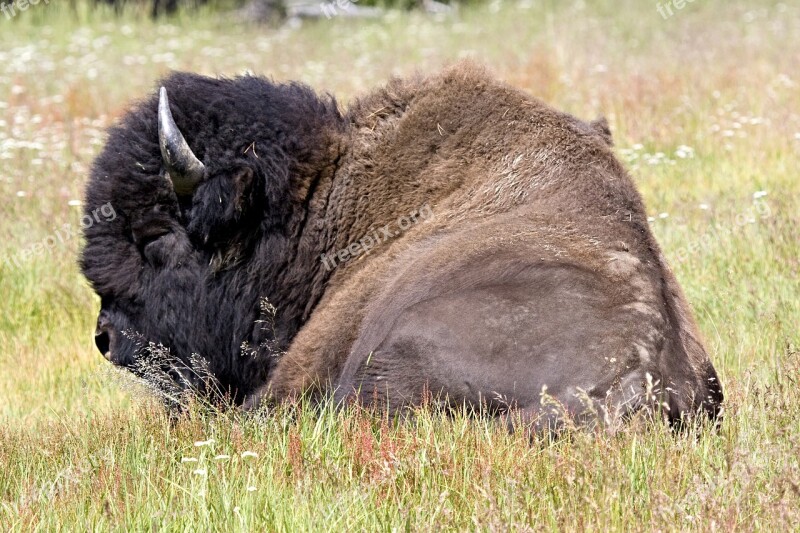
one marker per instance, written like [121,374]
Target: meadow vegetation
[705,110]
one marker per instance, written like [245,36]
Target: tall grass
[704,110]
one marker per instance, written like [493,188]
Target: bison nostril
[103,342]
[103,321]
[102,335]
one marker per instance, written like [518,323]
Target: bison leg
[554,342]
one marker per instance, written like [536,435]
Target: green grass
[81,447]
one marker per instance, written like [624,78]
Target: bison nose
[102,338]
[103,343]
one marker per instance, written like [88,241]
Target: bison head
[211,180]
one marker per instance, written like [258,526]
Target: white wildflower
[222,457]
[188,459]
[201,472]
[21,194]
[251,488]
[247,454]
[684,152]
[74,203]
[705,207]
[759,194]
[663,215]
[199,443]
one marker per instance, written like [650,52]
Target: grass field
[705,109]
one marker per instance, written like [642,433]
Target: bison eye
[151,226]
[166,250]
[154,247]
[163,246]
[144,240]
[154,251]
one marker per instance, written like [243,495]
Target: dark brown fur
[507,177]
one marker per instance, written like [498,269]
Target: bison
[447,236]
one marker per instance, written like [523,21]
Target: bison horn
[185,170]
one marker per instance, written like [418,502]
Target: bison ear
[601,127]
[243,187]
